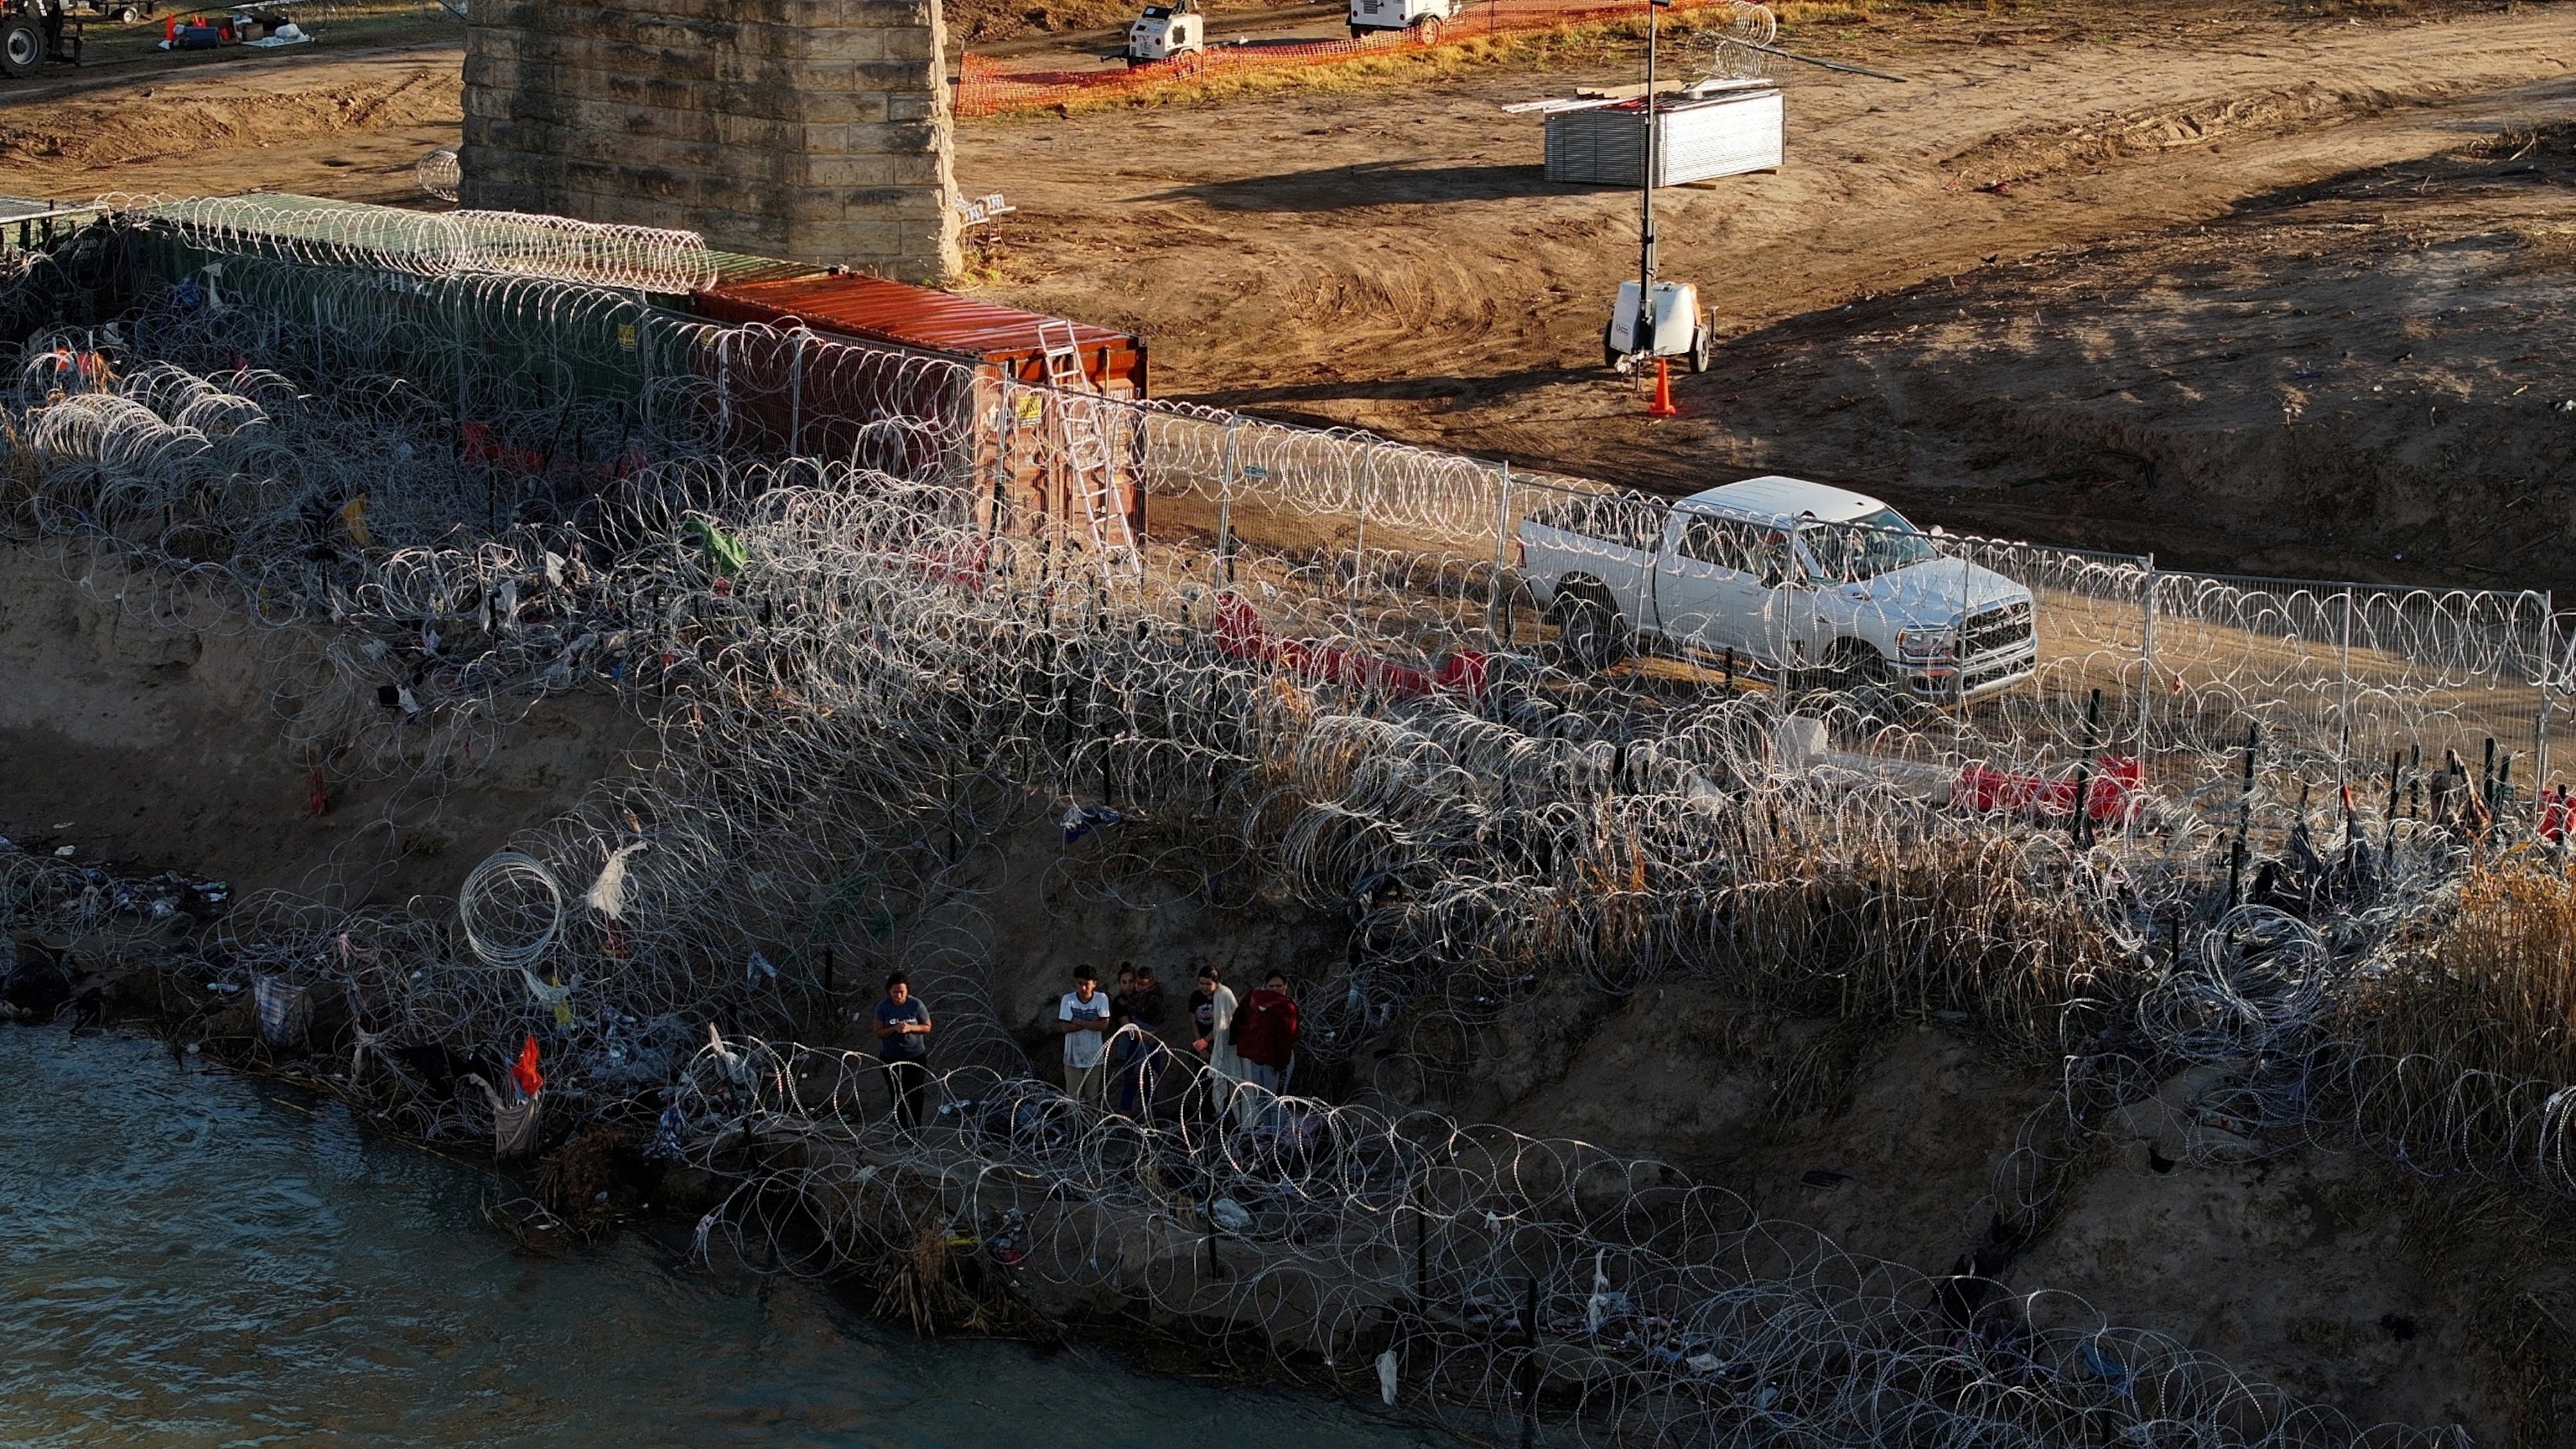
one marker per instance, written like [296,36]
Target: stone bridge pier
[815,130]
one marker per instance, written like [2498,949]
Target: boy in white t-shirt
[1083,1017]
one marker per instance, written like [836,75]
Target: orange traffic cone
[1663,407]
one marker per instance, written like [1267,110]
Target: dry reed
[2495,990]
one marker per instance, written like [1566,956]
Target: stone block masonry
[785,128]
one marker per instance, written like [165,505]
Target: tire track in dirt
[2110,137]
[1402,234]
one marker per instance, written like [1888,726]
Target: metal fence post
[2343,709]
[2147,662]
[796,397]
[643,364]
[1496,613]
[1225,500]
[459,295]
[1006,444]
[1359,536]
[724,391]
[2548,694]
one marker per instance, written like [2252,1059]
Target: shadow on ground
[1392,183]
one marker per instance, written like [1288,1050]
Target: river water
[192,1257]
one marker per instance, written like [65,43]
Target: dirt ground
[2062,285]
[2259,287]
[325,124]
[159,748]
[2256,287]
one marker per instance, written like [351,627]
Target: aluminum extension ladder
[1086,422]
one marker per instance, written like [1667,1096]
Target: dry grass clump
[1951,926]
[928,1275]
[1996,932]
[2496,990]
[1794,13]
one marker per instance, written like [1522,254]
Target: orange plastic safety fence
[987,88]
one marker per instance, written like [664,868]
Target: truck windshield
[1877,543]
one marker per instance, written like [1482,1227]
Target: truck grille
[2007,627]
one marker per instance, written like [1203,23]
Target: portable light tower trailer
[1165,32]
[1654,319]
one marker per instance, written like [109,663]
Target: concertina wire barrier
[438,499]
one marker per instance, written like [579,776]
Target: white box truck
[1425,18]
[1788,579]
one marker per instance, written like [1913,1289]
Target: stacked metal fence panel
[1727,133]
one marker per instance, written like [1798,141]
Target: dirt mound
[2111,136]
[2337,1274]
[196,121]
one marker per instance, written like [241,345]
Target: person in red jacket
[1265,1034]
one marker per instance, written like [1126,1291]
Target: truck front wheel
[1857,677]
[1852,664]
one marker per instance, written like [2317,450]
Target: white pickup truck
[1784,578]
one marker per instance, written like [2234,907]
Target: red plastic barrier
[1239,630]
[2116,791]
[2556,815]
[965,565]
[1240,633]
[481,445]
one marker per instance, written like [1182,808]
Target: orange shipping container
[1016,452]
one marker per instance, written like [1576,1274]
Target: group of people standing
[1123,1038]
[1254,1040]
[1117,1044]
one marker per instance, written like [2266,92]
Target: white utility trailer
[1166,32]
[1681,329]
